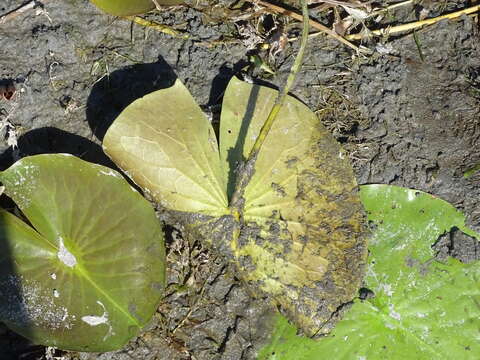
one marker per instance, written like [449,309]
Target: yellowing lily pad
[299,240]
[166,144]
[303,241]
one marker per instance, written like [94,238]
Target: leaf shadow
[111,95]
[235,155]
[49,140]
[12,305]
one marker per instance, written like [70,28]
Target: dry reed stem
[416,24]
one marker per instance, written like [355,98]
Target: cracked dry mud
[407,121]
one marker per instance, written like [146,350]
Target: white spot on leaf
[64,255]
[387,289]
[393,314]
[28,303]
[93,320]
[109,173]
[411,196]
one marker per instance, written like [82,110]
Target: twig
[248,168]
[419,46]
[337,2]
[416,24]
[390,7]
[313,23]
[20,10]
[156,26]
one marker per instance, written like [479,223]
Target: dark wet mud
[408,115]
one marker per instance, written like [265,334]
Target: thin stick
[417,24]
[315,24]
[247,170]
[20,10]
[156,26]
[390,7]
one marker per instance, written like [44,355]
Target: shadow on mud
[49,140]
[221,80]
[114,93]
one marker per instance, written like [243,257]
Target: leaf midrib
[81,271]
[78,270]
[216,191]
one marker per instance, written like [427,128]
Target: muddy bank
[409,116]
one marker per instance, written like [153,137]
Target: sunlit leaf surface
[124,7]
[422,308]
[89,274]
[301,240]
[166,144]
[131,7]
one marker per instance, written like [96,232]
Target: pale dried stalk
[157,26]
[416,24]
[20,10]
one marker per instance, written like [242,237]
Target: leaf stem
[247,169]
[156,26]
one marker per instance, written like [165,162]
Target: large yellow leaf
[167,145]
[302,240]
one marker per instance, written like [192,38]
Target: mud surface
[408,115]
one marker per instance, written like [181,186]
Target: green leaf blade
[100,278]
[422,309]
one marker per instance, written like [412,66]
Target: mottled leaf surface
[88,273]
[303,243]
[300,241]
[166,144]
[422,309]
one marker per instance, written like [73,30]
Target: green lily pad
[300,240]
[422,308]
[131,7]
[88,273]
